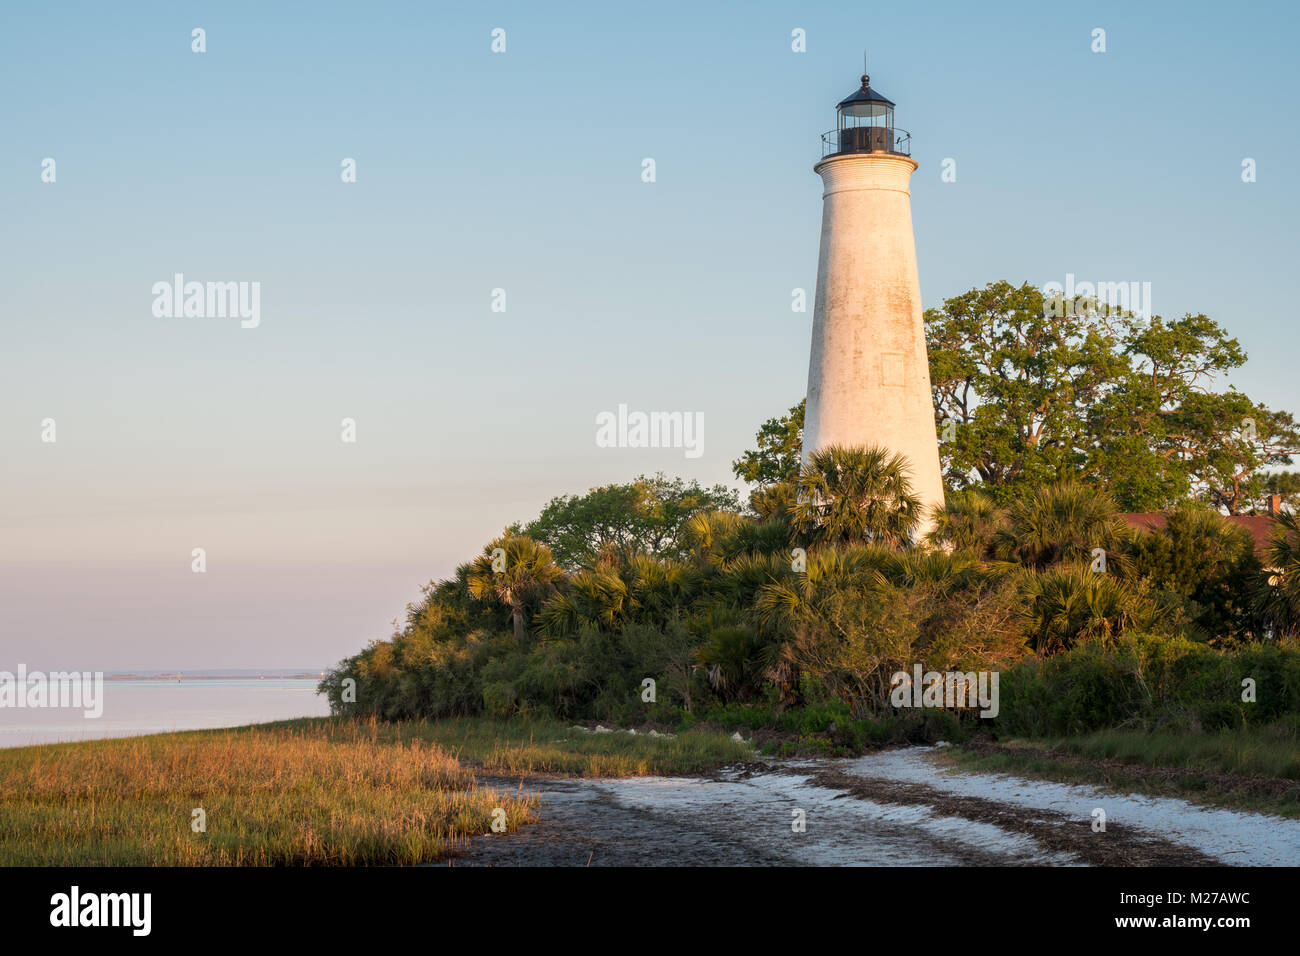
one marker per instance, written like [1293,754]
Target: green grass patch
[1269,751]
[1247,768]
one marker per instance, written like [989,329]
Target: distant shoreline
[182,677]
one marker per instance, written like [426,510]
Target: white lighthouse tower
[869,374]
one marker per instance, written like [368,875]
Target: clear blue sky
[522,171]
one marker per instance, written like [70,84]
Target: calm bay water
[134,707]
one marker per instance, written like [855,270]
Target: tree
[518,572]
[645,516]
[844,623]
[856,494]
[1155,424]
[1068,605]
[1012,381]
[776,459]
[774,501]
[1284,484]
[595,597]
[1278,596]
[1208,564]
[711,535]
[1227,442]
[969,521]
[1062,524]
[1028,393]
[736,660]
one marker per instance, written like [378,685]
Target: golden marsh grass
[306,793]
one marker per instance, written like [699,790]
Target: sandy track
[1223,837]
[890,808]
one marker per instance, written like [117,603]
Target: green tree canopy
[776,459]
[1028,393]
[1284,484]
[643,516]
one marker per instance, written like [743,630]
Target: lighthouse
[869,373]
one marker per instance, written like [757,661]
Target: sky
[522,171]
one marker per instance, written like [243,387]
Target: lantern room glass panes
[865,124]
[872,113]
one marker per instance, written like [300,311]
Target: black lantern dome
[866,125]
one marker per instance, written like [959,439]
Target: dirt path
[867,812]
[1118,845]
[583,822]
[1224,837]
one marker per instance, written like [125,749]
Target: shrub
[1147,680]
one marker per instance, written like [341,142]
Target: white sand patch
[842,830]
[1235,838]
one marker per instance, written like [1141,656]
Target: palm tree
[661,587]
[968,521]
[592,597]
[1278,598]
[841,622]
[769,536]
[850,494]
[520,573]
[719,537]
[743,576]
[711,535]
[1061,524]
[1067,605]
[775,500]
[791,600]
[735,660]
[940,570]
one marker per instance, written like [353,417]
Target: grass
[553,748]
[306,792]
[1269,751]
[1253,768]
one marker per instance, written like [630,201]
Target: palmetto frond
[1278,595]
[1066,605]
[596,597]
[851,494]
[969,521]
[1061,524]
[516,570]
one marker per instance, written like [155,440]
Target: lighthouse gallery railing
[867,139]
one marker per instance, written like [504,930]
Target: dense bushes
[1206,566]
[801,619]
[1147,680]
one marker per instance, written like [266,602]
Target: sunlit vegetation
[304,793]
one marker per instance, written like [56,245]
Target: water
[134,707]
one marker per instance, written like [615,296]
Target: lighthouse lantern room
[866,125]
